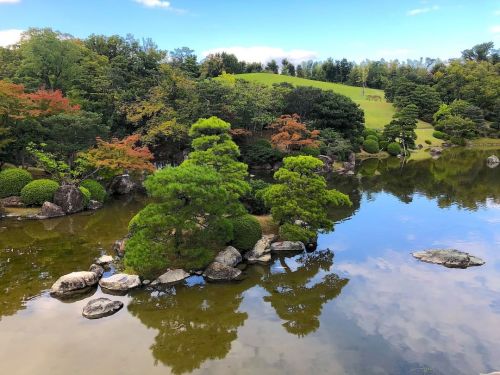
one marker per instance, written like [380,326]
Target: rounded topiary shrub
[86,196]
[370,146]
[371,136]
[246,232]
[97,191]
[12,181]
[394,148]
[368,132]
[439,135]
[39,191]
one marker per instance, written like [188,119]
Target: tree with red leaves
[292,135]
[47,102]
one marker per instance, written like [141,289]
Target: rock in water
[94,205]
[69,198]
[171,277]
[450,258]
[277,247]
[120,282]
[229,257]
[74,282]
[122,185]
[50,209]
[101,307]
[220,272]
[13,201]
[119,247]
[98,270]
[104,259]
[492,161]
[261,250]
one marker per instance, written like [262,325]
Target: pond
[359,305]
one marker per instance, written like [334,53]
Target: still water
[359,305]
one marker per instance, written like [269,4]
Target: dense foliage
[246,232]
[13,180]
[39,191]
[97,191]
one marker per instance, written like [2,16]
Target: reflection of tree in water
[195,324]
[459,177]
[297,297]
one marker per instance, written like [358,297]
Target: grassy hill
[377,114]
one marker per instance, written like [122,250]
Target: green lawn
[377,114]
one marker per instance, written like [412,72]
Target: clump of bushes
[246,232]
[371,146]
[371,136]
[394,148]
[12,181]
[439,134]
[367,132]
[97,191]
[254,200]
[39,191]
[261,152]
[86,196]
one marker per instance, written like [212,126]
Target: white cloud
[417,11]
[495,29]
[153,3]
[10,36]
[9,1]
[264,54]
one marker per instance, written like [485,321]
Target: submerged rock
[450,258]
[277,247]
[171,277]
[492,161]
[120,282]
[69,198]
[50,210]
[220,272]
[104,259]
[101,307]
[229,257]
[74,282]
[97,269]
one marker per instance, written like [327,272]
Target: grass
[377,114]
[424,134]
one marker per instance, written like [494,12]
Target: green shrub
[429,142]
[370,146]
[39,191]
[292,232]
[246,232]
[383,145]
[253,200]
[394,148]
[12,181]
[368,132]
[97,191]
[311,151]
[86,196]
[458,141]
[439,135]
[373,137]
[261,152]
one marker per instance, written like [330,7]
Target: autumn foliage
[291,134]
[119,156]
[46,102]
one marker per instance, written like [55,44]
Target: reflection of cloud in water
[445,318]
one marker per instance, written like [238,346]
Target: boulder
[13,201]
[50,209]
[450,258]
[101,307]
[122,185]
[229,257]
[171,277]
[69,198]
[436,150]
[119,247]
[280,246]
[94,205]
[348,166]
[220,272]
[352,158]
[97,269]
[263,259]
[74,282]
[492,161]
[261,250]
[327,163]
[104,259]
[120,282]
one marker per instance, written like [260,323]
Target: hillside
[377,114]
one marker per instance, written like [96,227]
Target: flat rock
[450,258]
[266,258]
[171,277]
[13,201]
[101,307]
[50,209]
[220,272]
[229,257]
[74,282]
[277,247]
[104,259]
[97,269]
[120,282]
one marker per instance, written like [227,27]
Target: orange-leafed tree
[291,135]
[47,102]
[12,104]
[117,157]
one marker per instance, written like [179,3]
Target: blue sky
[259,29]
